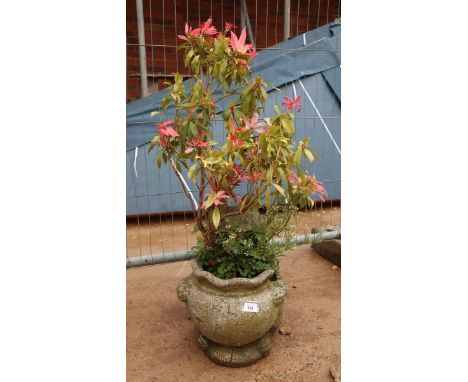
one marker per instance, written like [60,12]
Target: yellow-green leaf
[188,57]
[210,200]
[194,63]
[309,155]
[297,156]
[216,217]
[267,197]
[269,175]
[191,170]
[280,172]
[287,125]
[279,188]
[240,157]
[245,104]
[155,113]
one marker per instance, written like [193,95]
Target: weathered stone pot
[233,333]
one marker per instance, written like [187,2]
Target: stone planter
[233,333]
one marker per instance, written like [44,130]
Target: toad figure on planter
[235,293]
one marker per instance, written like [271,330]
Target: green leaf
[245,104]
[226,114]
[223,66]
[193,128]
[247,89]
[237,115]
[216,217]
[194,64]
[188,57]
[151,146]
[165,103]
[240,157]
[211,161]
[158,161]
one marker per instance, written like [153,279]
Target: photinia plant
[258,152]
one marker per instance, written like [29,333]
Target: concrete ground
[162,342]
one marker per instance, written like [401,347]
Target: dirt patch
[162,342]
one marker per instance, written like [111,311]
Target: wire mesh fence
[301,40]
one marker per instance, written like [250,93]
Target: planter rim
[234,283]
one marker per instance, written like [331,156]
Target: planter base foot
[236,356]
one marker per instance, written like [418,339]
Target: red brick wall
[162,25]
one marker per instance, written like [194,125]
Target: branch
[282,228]
[201,190]
[224,96]
[247,206]
[195,209]
[187,193]
[207,235]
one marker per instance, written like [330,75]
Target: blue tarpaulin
[307,66]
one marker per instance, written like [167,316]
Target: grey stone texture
[228,335]
[327,228]
[329,249]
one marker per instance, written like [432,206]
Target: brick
[162,28]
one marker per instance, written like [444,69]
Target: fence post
[245,13]
[242,17]
[287,18]
[142,48]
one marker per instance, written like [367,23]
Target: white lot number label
[251,307]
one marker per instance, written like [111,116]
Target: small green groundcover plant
[258,153]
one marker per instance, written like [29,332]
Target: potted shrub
[235,294]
